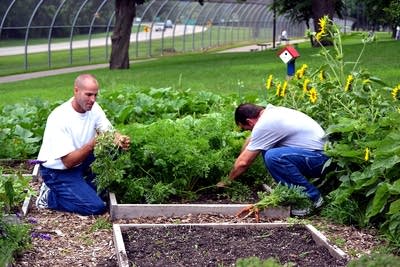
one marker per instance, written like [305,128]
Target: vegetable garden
[184,142]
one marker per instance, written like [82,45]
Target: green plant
[111,161]
[375,259]
[281,195]
[257,262]
[361,116]
[14,188]
[101,224]
[238,192]
[14,239]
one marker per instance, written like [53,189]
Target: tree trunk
[125,11]
[322,8]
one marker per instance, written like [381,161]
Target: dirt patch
[208,246]
[11,166]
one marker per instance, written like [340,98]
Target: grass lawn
[211,71]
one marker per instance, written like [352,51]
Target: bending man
[291,144]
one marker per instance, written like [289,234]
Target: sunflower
[268,83]
[349,82]
[313,95]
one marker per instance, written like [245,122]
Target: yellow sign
[146,28]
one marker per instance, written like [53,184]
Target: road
[141,36]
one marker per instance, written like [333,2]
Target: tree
[125,11]
[304,10]
[393,15]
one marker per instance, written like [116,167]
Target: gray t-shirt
[280,126]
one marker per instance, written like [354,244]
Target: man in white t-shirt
[67,151]
[291,144]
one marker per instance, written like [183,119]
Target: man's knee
[93,209]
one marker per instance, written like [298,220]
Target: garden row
[184,142]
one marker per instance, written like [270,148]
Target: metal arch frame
[27,33]
[173,32]
[5,15]
[51,31]
[73,28]
[232,6]
[194,28]
[238,13]
[195,6]
[252,17]
[176,3]
[243,18]
[213,18]
[206,19]
[90,28]
[139,25]
[248,20]
[242,9]
[151,31]
[236,8]
[108,31]
[256,22]
[269,14]
[226,6]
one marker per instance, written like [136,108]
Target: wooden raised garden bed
[130,211]
[217,244]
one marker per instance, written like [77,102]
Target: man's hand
[123,141]
[224,182]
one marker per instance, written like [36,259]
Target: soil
[65,239]
[16,166]
[208,246]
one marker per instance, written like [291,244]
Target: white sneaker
[306,211]
[319,202]
[41,200]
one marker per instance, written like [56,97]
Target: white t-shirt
[68,130]
[280,126]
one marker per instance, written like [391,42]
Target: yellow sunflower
[313,95]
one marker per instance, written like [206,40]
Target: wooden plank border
[317,236]
[130,211]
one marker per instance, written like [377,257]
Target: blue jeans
[73,190]
[291,166]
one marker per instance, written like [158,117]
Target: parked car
[168,24]
[159,26]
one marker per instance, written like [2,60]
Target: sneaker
[41,201]
[319,202]
[306,211]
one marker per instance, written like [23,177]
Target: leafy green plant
[361,116]
[14,239]
[238,192]
[21,128]
[110,163]
[281,195]
[14,188]
[375,259]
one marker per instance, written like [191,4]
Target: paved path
[179,30]
[38,74]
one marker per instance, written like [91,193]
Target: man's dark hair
[246,111]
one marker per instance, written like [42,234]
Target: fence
[42,34]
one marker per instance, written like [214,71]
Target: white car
[159,27]
[168,24]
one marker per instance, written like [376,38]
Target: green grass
[210,71]
[143,49]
